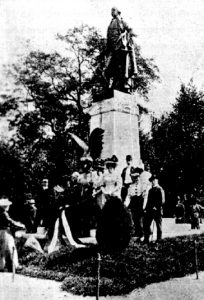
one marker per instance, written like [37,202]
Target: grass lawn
[121,273]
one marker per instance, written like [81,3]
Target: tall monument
[118,116]
[116,109]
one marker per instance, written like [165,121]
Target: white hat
[75,174]
[86,159]
[30,201]
[58,189]
[5,202]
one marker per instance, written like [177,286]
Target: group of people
[189,210]
[145,198]
[84,197]
[87,191]
[138,189]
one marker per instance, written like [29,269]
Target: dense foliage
[121,273]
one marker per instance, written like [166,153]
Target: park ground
[186,288]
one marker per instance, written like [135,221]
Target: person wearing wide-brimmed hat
[85,184]
[85,177]
[135,200]
[97,183]
[154,208]
[8,252]
[111,185]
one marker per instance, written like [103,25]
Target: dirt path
[187,288]
[24,288]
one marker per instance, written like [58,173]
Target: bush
[121,272]
[115,227]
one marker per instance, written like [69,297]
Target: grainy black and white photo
[101,150]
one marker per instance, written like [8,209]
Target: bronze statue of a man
[121,62]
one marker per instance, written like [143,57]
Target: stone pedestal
[118,116]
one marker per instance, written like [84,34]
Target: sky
[170,31]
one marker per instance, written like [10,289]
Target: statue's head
[115,11]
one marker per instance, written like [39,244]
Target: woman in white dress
[114,225]
[8,252]
[112,183]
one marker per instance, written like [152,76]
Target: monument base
[118,116]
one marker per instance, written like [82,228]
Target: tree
[56,88]
[176,143]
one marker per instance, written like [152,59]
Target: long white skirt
[54,244]
[8,252]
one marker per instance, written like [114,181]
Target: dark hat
[28,196]
[153,177]
[111,161]
[128,157]
[99,164]
[135,172]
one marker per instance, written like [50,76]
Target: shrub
[115,227]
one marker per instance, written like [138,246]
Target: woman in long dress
[8,252]
[111,184]
[86,202]
[97,182]
[115,225]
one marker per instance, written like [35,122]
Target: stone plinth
[118,116]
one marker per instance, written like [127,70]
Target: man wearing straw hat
[8,252]
[135,201]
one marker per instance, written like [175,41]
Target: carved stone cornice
[121,102]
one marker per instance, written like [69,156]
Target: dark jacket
[124,173]
[155,200]
[30,220]
[43,198]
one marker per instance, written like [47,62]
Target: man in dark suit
[30,213]
[43,204]
[154,209]
[126,177]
